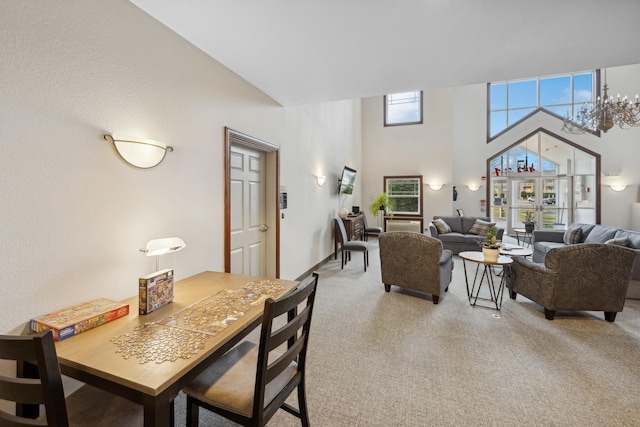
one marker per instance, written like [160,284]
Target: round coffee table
[496,292]
[514,250]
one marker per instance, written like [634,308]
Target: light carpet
[396,359]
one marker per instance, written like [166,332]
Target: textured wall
[74,214]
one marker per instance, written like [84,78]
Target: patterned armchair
[590,277]
[415,261]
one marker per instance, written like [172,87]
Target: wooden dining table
[91,356]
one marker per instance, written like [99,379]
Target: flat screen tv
[347,180]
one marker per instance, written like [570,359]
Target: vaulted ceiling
[300,51]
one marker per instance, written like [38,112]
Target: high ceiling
[302,51]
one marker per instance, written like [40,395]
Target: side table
[527,236]
[496,292]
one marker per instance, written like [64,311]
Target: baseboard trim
[314,268]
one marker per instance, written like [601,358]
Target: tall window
[510,101]
[403,109]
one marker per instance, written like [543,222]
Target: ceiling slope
[301,52]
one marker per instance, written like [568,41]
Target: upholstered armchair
[415,261]
[591,277]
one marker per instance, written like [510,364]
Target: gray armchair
[415,261]
[590,277]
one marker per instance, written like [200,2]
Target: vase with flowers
[491,245]
[529,221]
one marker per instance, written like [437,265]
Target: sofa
[459,237]
[590,276]
[545,240]
[415,261]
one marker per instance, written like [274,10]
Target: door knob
[264,227]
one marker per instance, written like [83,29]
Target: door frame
[597,156]
[538,206]
[272,186]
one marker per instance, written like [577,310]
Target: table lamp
[159,247]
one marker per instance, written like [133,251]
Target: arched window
[513,100]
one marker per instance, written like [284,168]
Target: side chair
[370,231]
[23,390]
[249,383]
[347,246]
[38,381]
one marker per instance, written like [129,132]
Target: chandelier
[604,114]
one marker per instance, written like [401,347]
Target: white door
[547,198]
[248,228]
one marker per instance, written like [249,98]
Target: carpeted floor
[381,359]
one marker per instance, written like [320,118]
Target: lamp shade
[618,187]
[141,154]
[163,246]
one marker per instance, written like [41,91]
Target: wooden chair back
[31,387]
[295,333]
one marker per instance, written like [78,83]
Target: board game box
[156,290]
[79,318]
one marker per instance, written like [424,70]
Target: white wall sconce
[159,247]
[320,180]
[141,154]
[435,187]
[473,187]
[618,187]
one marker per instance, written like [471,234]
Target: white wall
[410,150]
[451,146]
[74,214]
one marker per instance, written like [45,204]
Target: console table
[354,225]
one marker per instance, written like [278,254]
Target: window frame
[418,122]
[418,182]
[595,92]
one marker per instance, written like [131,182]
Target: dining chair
[250,382]
[38,381]
[347,246]
[23,390]
[370,231]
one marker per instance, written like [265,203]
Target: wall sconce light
[473,187]
[141,154]
[320,180]
[617,187]
[159,247]
[435,187]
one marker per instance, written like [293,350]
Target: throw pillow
[481,228]
[620,241]
[573,235]
[441,226]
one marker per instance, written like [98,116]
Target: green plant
[381,201]
[529,218]
[491,241]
